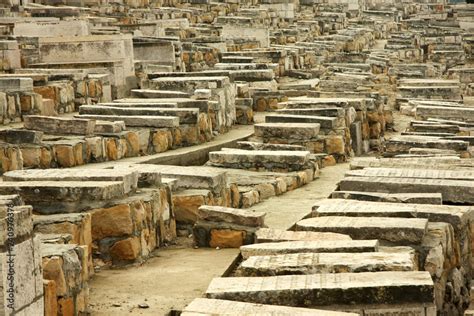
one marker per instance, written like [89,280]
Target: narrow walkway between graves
[179,274]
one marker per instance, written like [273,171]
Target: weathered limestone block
[420,198]
[19,136]
[49,197]
[296,131]
[396,230]
[231,215]
[413,173]
[223,307]
[363,288]
[326,123]
[155,121]
[308,246]
[442,162]
[264,235]
[61,126]
[402,144]
[309,263]
[455,191]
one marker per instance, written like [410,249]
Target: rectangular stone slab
[313,246]
[59,125]
[315,290]
[457,216]
[465,114]
[64,196]
[397,230]
[202,105]
[309,263]
[299,131]
[331,112]
[325,122]
[444,163]
[454,191]
[402,144]
[205,306]
[231,215]
[186,116]
[137,120]
[413,173]
[264,235]
[128,177]
[294,160]
[420,198]
[20,136]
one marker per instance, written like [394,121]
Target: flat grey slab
[136,120]
[308,246]
[264,235]
[325,122]
[310,263]
[444,163]
[420,198]
[455,191]
[457,216]
[186,116]
[128,177]
[205,306]
[298,131]
[59,125]
[326,289]
[414,173]
[397,230]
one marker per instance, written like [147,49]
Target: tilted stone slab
[186,116]
[297,131]
[465,114]
[457,216]
[65,196]
[245,159]
[128,177]
[313,246]
[59,125]
[398,230]
[265,235]
[402,144]
[454,191]
[413,173]
[315,290]
[420,198]
[309,263]
[231,215]
[205,306]
[137,120]
[324,122]
[188,177]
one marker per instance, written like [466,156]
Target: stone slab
[315,290]
[231,215]
[454,191]
[308,246]
[327,123]
[136,120]
[413,173]
[298,131]
[265,235]
[420,198]
[309,263]
[59,125]
[397,230]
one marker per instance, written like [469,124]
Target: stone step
[21,136]
[453,191]
[186,116]
[59,125]
[339,289]
[137,120]
[308,246]
[457,216]
[127,177]
[439,128]
[328,123]
[420,198]
[205,306]
[269,160]
[331,112]
[413,173]
[401,231]
[265,146]
[49,197]
[296,131]
[202,105]
[310,263]
[266,235]
[231,215]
